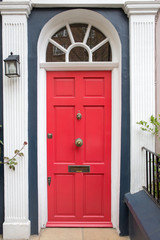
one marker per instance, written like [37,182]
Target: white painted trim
[15,8]
[87,34]
[97,20]
[79,3]
[70,34]
[79,44]
[99,45]
[57,45]
[78,66]
[141,7]
[94,3]
[16,231]
[130,7]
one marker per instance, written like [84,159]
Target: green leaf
[16,151]
[144,129]
[21,154]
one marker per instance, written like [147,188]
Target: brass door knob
[79,142]
[79,116]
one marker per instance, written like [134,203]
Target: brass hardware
[49,181]
[78,169]
[79,142]
[79,116]
[49,135]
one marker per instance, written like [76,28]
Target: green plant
[11,162]
[153,126]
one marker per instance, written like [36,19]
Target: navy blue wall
[1,136]
[37,20]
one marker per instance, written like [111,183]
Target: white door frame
[100,22]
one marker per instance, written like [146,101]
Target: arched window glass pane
[78,31]
[95,37]
[54,54]
[62,37]
[103,53]
[78,54]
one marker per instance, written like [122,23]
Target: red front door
[79,177]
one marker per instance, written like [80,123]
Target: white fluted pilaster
[142,91]
[15,105]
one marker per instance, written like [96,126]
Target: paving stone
[33,237]
[101,234]
[61,234]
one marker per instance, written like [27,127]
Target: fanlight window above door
[78,42]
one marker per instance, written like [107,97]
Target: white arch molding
[51,27]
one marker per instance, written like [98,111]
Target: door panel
[64,119]
[64,86]
[94,86]
[94,134]
[79,199]
[66,207]
[93,196]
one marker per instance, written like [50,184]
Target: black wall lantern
[12,66]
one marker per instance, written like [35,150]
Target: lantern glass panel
[11,68]
[18,68]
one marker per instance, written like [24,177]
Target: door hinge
[49,181]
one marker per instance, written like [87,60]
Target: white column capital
[15,8]
[141,7]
